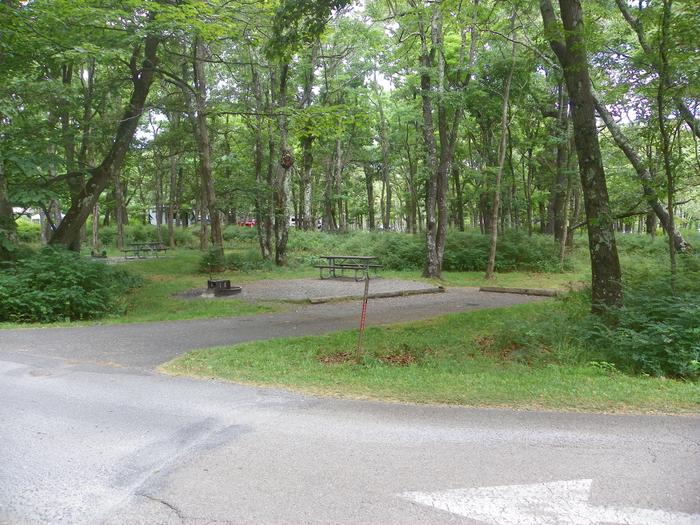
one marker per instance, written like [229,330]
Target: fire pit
[221,288]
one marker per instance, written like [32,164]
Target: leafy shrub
[239,234]
[212,261]
[184,237]
[245,261]
[27,231]
[107,235]
[55,285]
[516,251]
[464,251]
[655,332]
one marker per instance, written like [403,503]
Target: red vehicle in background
[250,223]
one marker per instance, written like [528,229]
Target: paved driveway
[82,441]
[150,344]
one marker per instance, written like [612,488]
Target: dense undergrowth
[464,251]
[656,332]
[56,285]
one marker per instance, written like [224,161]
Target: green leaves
[299,22]
[56,285]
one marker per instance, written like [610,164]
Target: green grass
[457,359]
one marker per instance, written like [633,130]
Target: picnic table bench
[336,266]
[140,250]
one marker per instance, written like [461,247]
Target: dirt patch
[487,346]
[194,293]
[399,359]
[336,359]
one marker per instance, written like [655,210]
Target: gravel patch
[306,289]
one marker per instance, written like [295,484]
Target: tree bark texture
[571,53]
[201,129]
[282,172]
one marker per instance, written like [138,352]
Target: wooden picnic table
[337,265]
[141,249]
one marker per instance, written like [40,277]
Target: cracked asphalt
[89,433]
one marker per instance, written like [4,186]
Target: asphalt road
[95,436]
[147,345]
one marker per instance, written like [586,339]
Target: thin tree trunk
[369,184]
[119,210]
[559,197]
[427,57]
[664,84]
[501,160]
[95,229]
[172,184]
[282,172]
[527,185]
[385,167]
[304,219]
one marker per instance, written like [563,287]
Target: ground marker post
[363,317]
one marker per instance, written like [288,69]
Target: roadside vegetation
[641,357]
[524,356]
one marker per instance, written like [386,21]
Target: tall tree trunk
[369,184]
[559,197]
[427,58]
[76,180]
[203,143]
[459,198]
[282,172]
[119,209]
[263,209]
[385,166]
[96,229]
[68,232]
[527,185]
[571,52]
[501,160]
[338,183]
[664,85]
[173,159]
[8,227]
[304,218]
[412,190]
[328,196]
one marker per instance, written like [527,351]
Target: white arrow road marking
[554,503]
